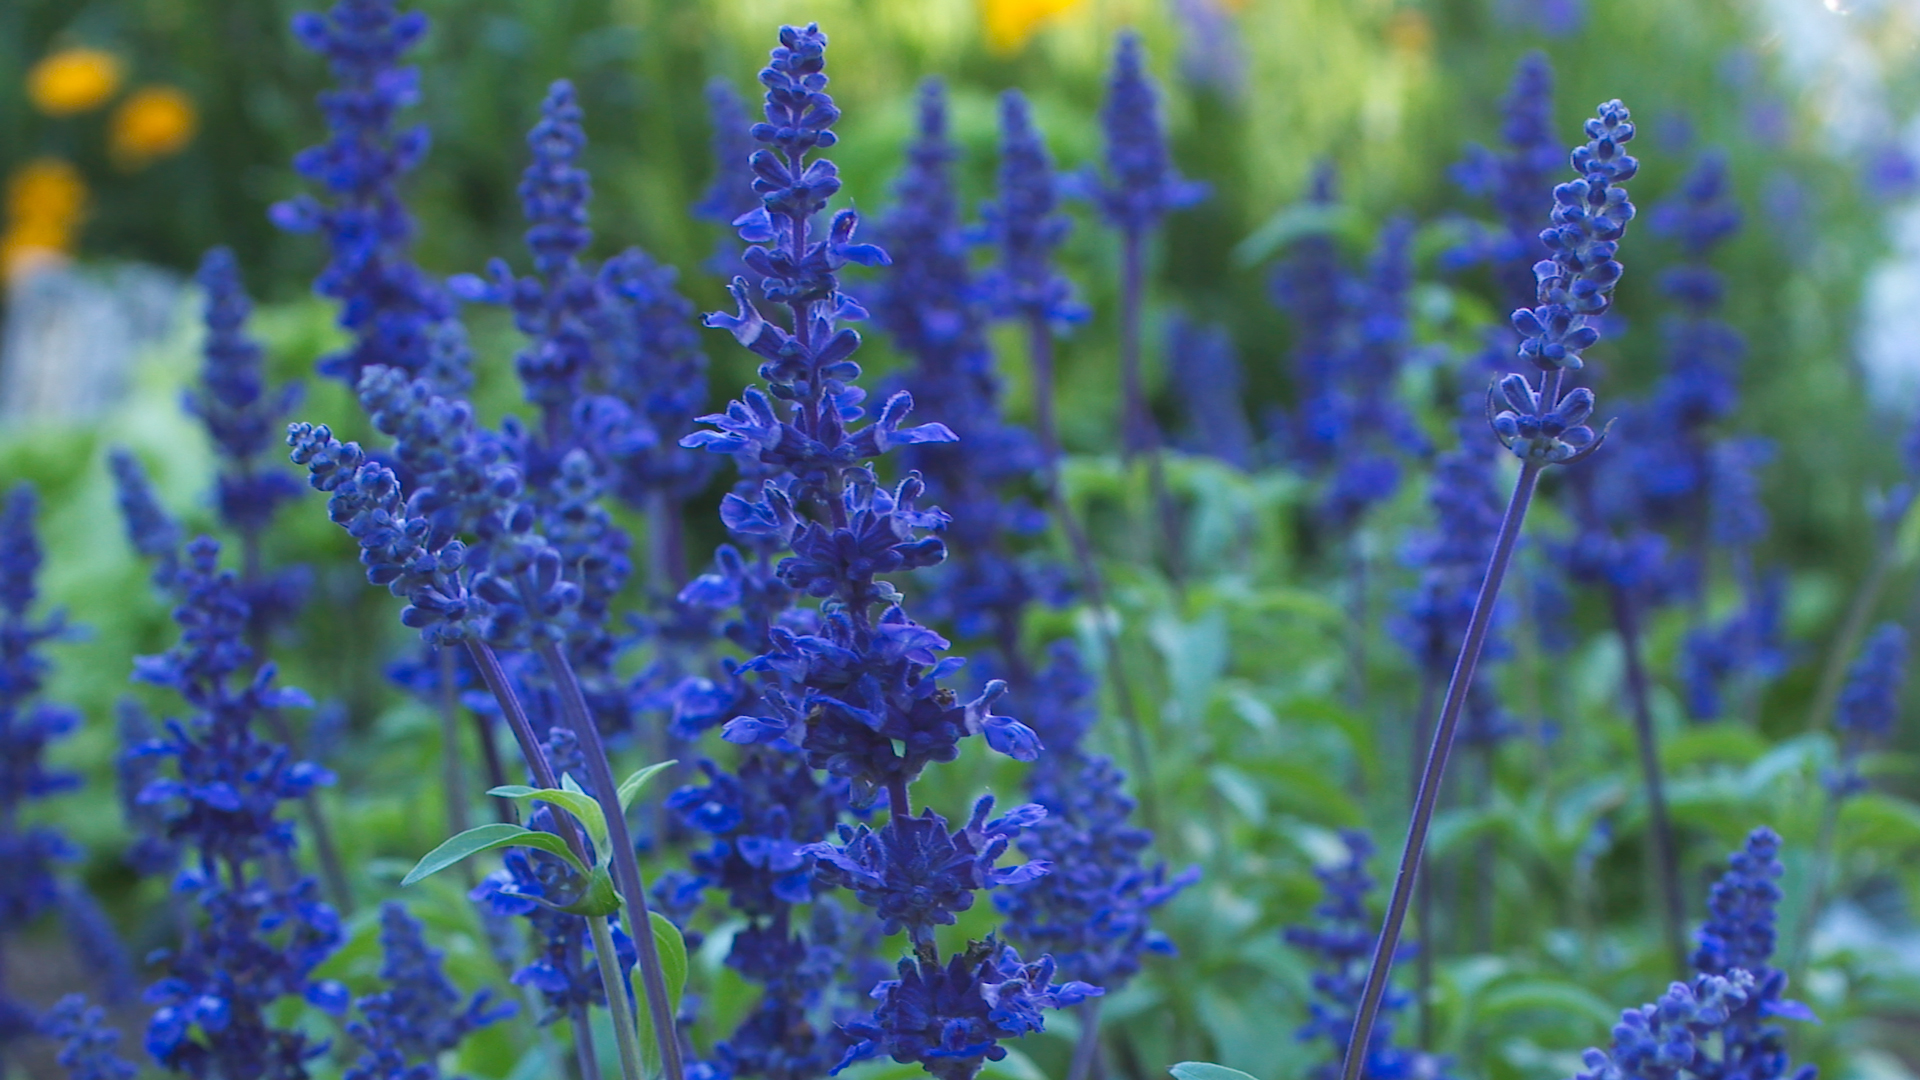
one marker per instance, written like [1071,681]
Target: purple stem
[626,867]
[1430,779]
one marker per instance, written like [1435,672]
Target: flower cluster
[1590,215]
[265,930]
[89,1049]
[399,317]
[405,1027]
[764,822]
[1511,182]
[1093,910]
[1343,942]
[241,412]
[1720,1023]
[856,690]
[1869,705]
[1351,336]
[1543,426]
[28,724]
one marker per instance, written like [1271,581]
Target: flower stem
[1138,433]
[584,1053]
[1659,822]
[1087,1048]
[618,1001]
[454,776]
[626,866]
[1429,793]
[496,679]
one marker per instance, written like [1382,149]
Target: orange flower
[73,81]
[154,122]
[1011,23]
[45,202]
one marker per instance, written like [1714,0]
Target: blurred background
[135,134]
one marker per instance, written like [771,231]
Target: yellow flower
[154,122]
[1010,23]
[45,201]
[73,81]
[1409,32]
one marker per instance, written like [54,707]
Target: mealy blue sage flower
[1721,1023]
[1342,941]
[398,315]
[403,1028]
[264,928]
[1869,705]
[89,1050]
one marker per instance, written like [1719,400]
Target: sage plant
[1542,424]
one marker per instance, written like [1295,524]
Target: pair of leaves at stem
[600,898]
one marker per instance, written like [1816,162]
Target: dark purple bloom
[150,529]
[952,1018]
[1343,942]
[1869,705]
[399,316]
[1142,186]
[404,1027]
[1589,216]
[1093,911]
[1512,182]
[1026,225]
[241,413]
[1213,390]
[89,1049]
[1720,1024]
[916,875]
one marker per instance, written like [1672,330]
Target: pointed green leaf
[486,838]
[673,966]
[631,787]
[601,898]
[575,802]
[1205,1070]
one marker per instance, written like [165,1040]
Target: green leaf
[1205,1070]
[576,802]
[486,838]
[1546,995]
[631,787]
[601,897]
[673,966]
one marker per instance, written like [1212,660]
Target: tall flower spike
[1343,940]
[1541,427]
[261,938]
[154,534]
[1142,185]
[1512,182]
[1869,706]
[730,193]
[1721,1023]
[855,688]
[89,1049]
[419,1015]
[1026,225]
[1589,217]
[398,316]
[241,413]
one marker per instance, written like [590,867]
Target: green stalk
[624,1030]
